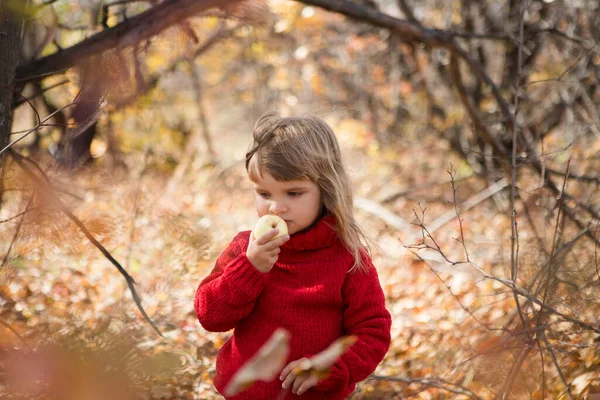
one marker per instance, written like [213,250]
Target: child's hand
[262,252]
[299,383]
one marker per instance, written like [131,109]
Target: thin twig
[35,128]
[438,383]
[13,330]
[16,234]
[40,92]
[35,111]
[553,252]
[18,215]
[596,252]
[515,287]
[569,68]
[558,369]
[448,287]
[513,170]
[543,370]
[460,224]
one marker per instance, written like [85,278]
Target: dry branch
[16,234]
[128,33]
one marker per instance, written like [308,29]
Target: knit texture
[310,293]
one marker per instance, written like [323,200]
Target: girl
[318,282]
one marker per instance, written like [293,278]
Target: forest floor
[62,296]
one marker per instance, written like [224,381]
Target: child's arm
[228,294]
[366,317]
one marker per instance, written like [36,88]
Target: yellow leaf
[323,361]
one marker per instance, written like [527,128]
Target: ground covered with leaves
[70,328]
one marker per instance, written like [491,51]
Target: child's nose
[277,207]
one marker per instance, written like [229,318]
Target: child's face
[297,202]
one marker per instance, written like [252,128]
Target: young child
[318,282]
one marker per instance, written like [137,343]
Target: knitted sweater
[310,293]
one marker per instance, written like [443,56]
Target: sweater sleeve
[366,317]
[229,292]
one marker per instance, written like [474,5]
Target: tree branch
[125,34]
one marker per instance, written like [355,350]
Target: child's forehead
[266,180]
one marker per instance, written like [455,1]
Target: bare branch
[558,369]
[39,93]
[17,216]
[514,260]
[439,383]
[460,222]
[125,34]
[515,287]
[39,125]
[596,252]
[16,234]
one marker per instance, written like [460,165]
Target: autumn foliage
[471,132]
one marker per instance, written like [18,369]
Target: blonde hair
[305,148]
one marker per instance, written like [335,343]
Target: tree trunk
[11,33]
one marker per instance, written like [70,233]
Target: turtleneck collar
[321,234]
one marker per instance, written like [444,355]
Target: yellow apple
[267,223]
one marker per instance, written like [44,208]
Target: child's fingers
[299,381]
[289,368]
[276,243]
[289,380]
[286,374]
[267,237]
[309,382]
[287,377]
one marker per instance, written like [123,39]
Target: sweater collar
[321,234]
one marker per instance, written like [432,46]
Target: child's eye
[264,195]
[294,194]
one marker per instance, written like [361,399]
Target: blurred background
[470,129]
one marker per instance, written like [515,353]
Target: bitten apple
[268,222]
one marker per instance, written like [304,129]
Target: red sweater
[309,293]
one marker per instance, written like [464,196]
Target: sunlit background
[146,149]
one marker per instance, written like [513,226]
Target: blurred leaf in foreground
[321,363]
[264,366]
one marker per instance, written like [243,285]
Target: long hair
[305,148]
